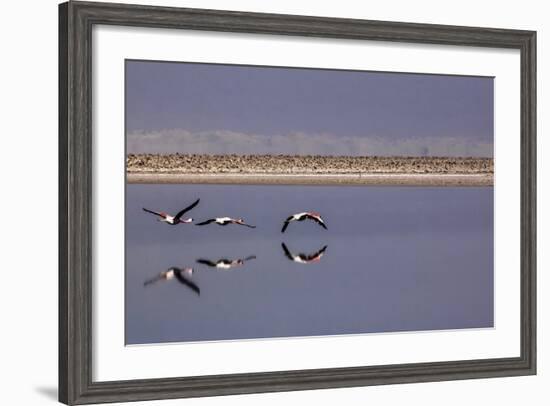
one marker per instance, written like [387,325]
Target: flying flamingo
[304,258]
[303,216]
[225,263]
[173,220]
[223,221]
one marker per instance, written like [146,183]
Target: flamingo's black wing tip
[205,262]
[286,251]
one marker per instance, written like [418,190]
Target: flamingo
[173,220]
[181,274]
[303,216]
[225,263]
[223,221]
[304,258]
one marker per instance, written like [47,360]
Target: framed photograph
[257,202]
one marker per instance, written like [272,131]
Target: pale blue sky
[211,108]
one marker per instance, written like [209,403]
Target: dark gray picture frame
[76,20]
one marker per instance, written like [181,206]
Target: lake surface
[396,259]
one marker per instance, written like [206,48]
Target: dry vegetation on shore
[303,164]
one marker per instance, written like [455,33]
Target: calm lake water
[396,259]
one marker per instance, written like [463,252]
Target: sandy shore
[323,179]
[309,170]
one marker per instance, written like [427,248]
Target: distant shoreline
[315,179]
[309,170]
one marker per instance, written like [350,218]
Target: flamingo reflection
[302,258]
[182,275]
[224,263]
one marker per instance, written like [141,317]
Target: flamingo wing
[187,282]
[318,220]
[205,222]
[182,212]
[288,254]
[287,222]
[154,212]
[318,254]
[206,262]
